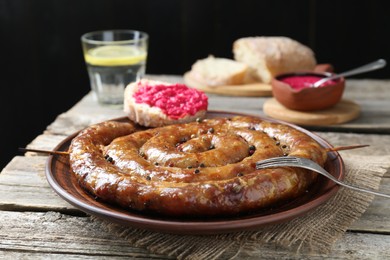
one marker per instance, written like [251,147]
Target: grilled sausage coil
[196,169]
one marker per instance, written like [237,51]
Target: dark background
[42,68]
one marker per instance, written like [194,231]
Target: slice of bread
[270,56]
[213,71]
[153,116]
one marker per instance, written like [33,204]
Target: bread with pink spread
[155,103]
[270,56]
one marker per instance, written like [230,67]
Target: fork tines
[276,161]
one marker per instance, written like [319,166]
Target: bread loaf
[270,56]
[213,71]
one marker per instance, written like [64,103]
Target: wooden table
[36,223]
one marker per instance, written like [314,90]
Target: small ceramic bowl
[293,91]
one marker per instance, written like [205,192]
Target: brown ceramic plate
[65,184]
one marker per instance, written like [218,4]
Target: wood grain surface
[342,112]
[36,223]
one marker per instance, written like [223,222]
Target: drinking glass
[114,58]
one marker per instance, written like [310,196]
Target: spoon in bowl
[365,68]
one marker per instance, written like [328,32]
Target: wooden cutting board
[344,111]
[245,90]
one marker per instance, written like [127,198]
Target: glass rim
[84,37]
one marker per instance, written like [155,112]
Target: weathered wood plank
[378,144]
[23,187]
[367,89]
[84,113]
[375,116]
[44,142]
[56,235]
[45,234]
[16,254]
[371,95]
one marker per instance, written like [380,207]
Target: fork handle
[360,189]
[300,163]
[346,185]
[352,187]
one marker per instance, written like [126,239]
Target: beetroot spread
[176,101]
[301,82]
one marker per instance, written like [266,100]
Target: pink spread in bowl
[176,100]
[294,91]
[305,81]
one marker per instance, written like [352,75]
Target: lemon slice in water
[115,55]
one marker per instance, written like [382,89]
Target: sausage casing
[196,169]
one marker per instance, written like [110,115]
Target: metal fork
[310,165]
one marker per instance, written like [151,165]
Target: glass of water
[114,58]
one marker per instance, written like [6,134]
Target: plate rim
[213,226]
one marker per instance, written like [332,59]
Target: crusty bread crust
[213,71]
[270,56]
[146,115]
